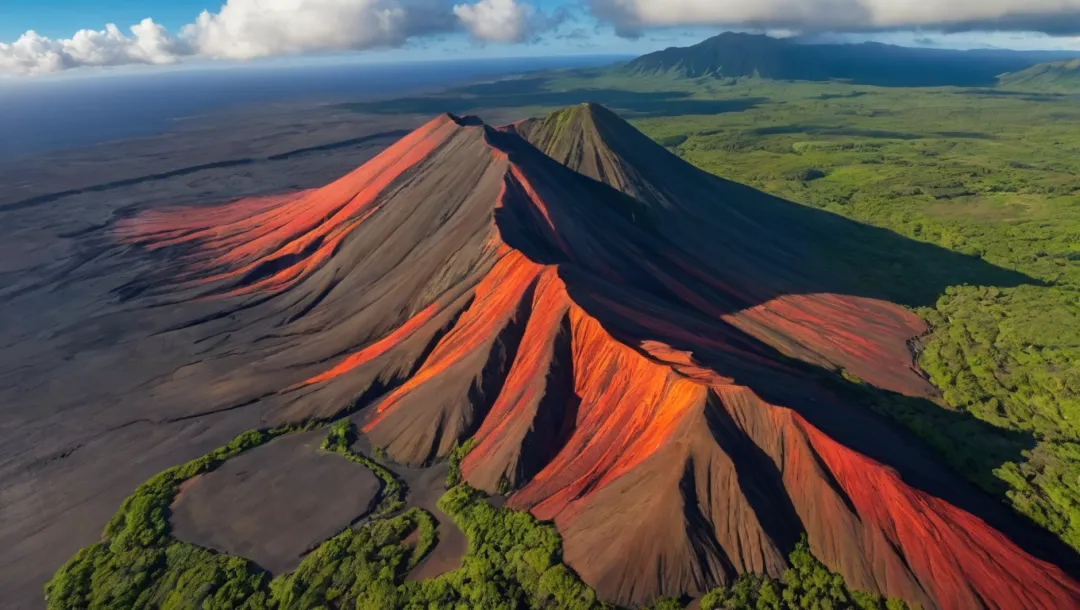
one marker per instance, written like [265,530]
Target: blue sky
[389,30]
[62,18]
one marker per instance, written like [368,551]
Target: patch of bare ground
[273,504]
[426,486]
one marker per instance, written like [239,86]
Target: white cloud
[497,20]
[149,43]
[244,29]
[846,15]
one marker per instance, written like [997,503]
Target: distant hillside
[1056,77]
[735,55]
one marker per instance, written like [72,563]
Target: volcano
[643,353]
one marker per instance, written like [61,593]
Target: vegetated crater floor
[273,504]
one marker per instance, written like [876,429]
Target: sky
[61,36]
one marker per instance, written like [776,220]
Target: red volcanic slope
[643,367]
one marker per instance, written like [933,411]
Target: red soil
[376,349]
[301,231]
[959,560]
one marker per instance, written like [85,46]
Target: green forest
[513,561]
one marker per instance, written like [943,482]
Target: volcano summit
[646,355]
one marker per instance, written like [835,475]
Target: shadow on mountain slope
[748,236]
[771,249]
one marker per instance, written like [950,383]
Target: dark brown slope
[762,264]
[662,405]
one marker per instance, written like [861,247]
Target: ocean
[41,115]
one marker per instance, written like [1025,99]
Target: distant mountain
[735,55]
[1055,77]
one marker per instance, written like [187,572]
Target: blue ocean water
[50,114]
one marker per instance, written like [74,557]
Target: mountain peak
[583,119]
[596,142]
[743,37]
[657,394]
[465,121]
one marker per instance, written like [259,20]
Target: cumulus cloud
[1051,16]
[497,20]
[247,29]
[244,29]
[149,43]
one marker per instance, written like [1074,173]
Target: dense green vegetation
[806,585]
[458,453]
[513,561]
[359,568]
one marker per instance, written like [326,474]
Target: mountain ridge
[1050,77]
[738,55]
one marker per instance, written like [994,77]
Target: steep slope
[1051,77]
[737,55]
[761,265]
[637,349]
